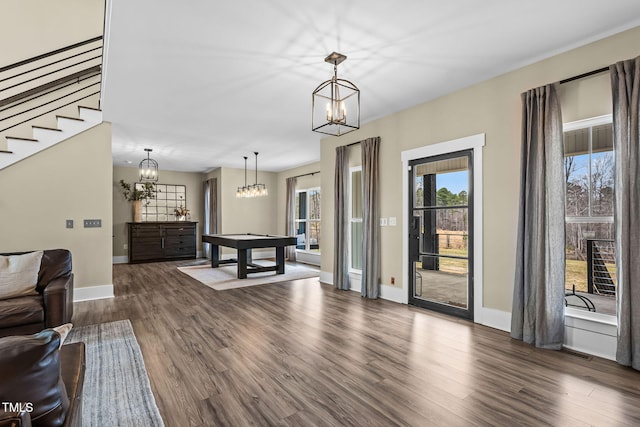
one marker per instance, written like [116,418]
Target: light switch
[392,221]
[383,222]
[92,223]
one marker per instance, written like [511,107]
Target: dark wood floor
[303,354]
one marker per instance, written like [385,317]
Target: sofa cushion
[19,274]
[55,263]
[21,311]
[30,372]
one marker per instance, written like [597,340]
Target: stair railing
[40,85]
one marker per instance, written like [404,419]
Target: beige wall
[33,27]
[492,107]
[70,180]
[123,210]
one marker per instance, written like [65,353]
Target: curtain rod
[353,143]
[582,76]
[305,174]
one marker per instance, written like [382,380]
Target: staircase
[19,148]
[49,98]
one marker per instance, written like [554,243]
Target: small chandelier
[335,103]
[253,190]
[148,168]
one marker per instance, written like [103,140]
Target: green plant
[130,194]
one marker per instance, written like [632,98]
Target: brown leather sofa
[44,385]
[52,306]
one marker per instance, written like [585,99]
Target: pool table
[243,243]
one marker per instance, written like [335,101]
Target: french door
[441,233]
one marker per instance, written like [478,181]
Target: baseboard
[391,293]
[326,277]
[123,259]
[496,319]
[92,293]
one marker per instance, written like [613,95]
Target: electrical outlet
[92,223]
[393,280]
[392,221]
[69,223]
[383,222]
[125,246]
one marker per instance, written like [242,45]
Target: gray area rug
[224,278]
[116,386]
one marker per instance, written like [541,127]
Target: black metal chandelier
[148,168]
[253,190]
[335,103]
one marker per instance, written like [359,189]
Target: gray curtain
[210,211]
[538,296]
[290,251]
[625,85]
[370,218]
[340,220]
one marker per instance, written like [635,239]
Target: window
[589,199]
[355,219]
[307,219]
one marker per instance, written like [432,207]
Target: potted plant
[136,196]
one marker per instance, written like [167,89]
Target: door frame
[475,143]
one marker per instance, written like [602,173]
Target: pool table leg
[242,263]
[215,256]
[280,259]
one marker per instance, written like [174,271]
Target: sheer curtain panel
[290,251]
[625,86]
[210,211]
[370,218]
[341,220]
[538,297]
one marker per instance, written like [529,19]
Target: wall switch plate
[125,246]
[92,223]
[69,223]
[383,222]
[392,221]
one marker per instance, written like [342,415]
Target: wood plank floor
[304,354]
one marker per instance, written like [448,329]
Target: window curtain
[341,220]
[625,85]
[210,211]
[370,218]
[290,251]
[538,298]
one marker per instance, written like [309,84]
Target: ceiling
[204,82]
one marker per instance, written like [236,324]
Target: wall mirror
[167,198]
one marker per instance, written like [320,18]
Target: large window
[589,200]
[308,219]
[355,219]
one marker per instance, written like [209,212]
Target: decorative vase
[137,211]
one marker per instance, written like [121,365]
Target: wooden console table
[161,241]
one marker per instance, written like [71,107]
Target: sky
[453,181]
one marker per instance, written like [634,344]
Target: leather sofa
[52,306]
[44,385]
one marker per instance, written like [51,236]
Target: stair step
[21,138]
[47,128]
[70,118]
[89,108]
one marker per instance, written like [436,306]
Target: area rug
[116,386]
[225,278]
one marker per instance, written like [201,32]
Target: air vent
[577,354]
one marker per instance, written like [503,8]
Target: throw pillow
[30,372]
[19,274]
[63,330]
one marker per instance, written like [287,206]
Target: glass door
[441,233]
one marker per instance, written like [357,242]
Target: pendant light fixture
[148,168]
[335,103]
[253,190]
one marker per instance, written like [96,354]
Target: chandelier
[148,168]
[335,103]
[253,190]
